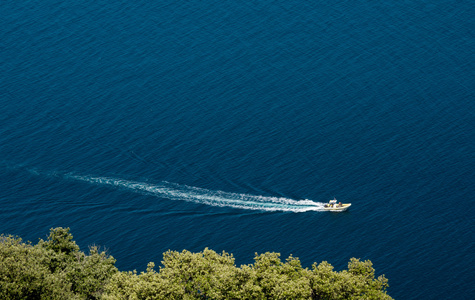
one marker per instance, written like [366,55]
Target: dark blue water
[153,125]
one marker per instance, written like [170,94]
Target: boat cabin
[333,203]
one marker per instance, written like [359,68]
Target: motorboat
[335,206]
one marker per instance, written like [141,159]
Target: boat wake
[174,191]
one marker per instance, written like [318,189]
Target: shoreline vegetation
[58,269]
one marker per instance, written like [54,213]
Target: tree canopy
[58,269]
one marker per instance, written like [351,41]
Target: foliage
[209,275]
[355,283]
[25,274]
[57,269]
[52,269]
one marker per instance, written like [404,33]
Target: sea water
[153,125]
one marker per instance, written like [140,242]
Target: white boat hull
[337,208]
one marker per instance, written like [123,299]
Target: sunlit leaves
[52,269]
[57,269]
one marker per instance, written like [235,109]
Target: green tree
[278,280]
[25,272]
[88,274]
[61,247]
[355,283]
[146,285]
[57,269]
[61,241]
[203,275]
[52,269]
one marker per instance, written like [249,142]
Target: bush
[57,269]
[52,269]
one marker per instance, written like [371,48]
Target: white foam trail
[175,191]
